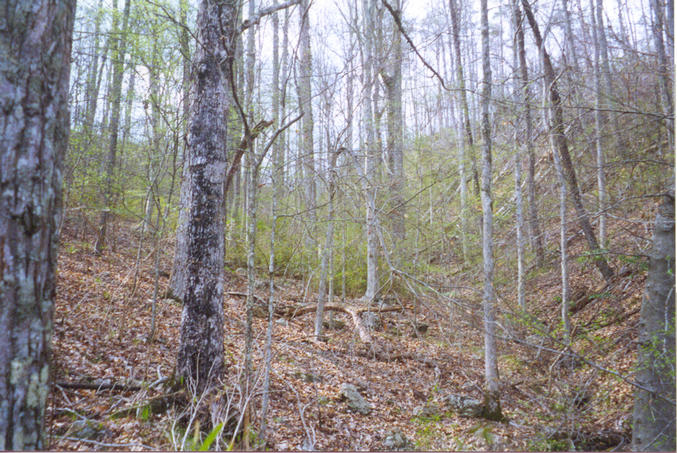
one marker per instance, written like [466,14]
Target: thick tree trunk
[559,139]
[200,355]
[654,412]
[35,48]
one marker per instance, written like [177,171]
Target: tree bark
[654,412]
[200,355]
[35,49]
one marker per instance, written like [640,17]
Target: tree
[392,79]
[559,139]
[519,216]
[368,13]
[177,282]
[492,402]
[455,13]
[305,101]
[119,50]
[35,44]
[200,355]
[654,411]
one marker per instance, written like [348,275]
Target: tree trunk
[558,136]
[276,180]
[488,301]
[599,121]
[371,158]
[177,282]
[329,245]
[534,225]
[35,44]
[664,71]
[460,80]
[571,47]
[395,126]
[119,50]
[519,216]
[305,99]
[200,355]
[654,412]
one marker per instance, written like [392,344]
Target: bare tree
[536,236]
[519,211]
[392,79]
[558,135]
[492,401]
[34,72]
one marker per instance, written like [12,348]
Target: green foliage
[211,437]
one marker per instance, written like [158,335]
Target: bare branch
[265,12]
[398,22]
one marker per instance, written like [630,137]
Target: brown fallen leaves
[100,334]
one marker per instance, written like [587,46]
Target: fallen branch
[99,386]
[156,405]
[354,313]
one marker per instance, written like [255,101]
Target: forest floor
[101,331]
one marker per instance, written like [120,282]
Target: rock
[426,411]
[86,429]
[464,405]
[396,441]
[282,322]
[355,401]
[372,321]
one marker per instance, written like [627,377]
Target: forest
[399,225]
